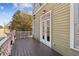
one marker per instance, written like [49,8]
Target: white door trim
[50,28]
[41,28]
[72,25]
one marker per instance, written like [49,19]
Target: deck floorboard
[31,47]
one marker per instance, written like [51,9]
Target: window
[74,26]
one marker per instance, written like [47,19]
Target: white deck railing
[6,44]
[23,34]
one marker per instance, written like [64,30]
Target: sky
[8,9]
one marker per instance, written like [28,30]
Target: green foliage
[21,21]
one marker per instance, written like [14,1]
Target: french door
[45,29]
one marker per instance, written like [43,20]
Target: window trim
[72,26]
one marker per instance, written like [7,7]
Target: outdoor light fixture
[44,11]
[34,16]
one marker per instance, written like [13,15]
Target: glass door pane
[43,31]
[48,30]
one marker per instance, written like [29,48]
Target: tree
[1,26]
[21,21]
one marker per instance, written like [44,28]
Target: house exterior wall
[60,27]
[35,22]
[36,6]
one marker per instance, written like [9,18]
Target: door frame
[50,28]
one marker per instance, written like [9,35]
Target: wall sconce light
[44,11]
[34,17]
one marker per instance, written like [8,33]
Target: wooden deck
[31,47]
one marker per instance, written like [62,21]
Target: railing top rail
[12,33]
[3,41]
[6,38]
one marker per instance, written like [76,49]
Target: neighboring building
[57,26]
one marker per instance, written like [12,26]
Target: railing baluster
[5,47]
[22,34]
[6,43]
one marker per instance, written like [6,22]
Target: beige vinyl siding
[37,28]
[60,27]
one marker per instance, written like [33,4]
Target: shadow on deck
[31,47]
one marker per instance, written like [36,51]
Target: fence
[23,34]
[6,44]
